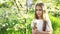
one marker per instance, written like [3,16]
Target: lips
[39,13]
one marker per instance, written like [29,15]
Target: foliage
[16,16]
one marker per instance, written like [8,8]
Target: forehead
[38,7]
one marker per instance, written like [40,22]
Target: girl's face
[39,11]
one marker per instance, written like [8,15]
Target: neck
[40,17]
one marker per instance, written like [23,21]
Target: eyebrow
[38,9]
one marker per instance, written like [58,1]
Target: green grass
[54,20]
[55,24]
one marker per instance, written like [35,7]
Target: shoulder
[49,22]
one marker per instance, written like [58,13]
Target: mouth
[39,14]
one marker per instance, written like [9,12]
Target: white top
[40,25]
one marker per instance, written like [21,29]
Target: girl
[41,24]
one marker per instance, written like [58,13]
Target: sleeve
[49,26]
[32,24]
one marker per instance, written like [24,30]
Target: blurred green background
[16,15]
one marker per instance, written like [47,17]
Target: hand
[38,31]
[34,31]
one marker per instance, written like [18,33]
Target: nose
[38,12]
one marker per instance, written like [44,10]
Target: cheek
[39,12]
[36,12]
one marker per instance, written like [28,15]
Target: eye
[40,9]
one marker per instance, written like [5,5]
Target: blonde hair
[43,15]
